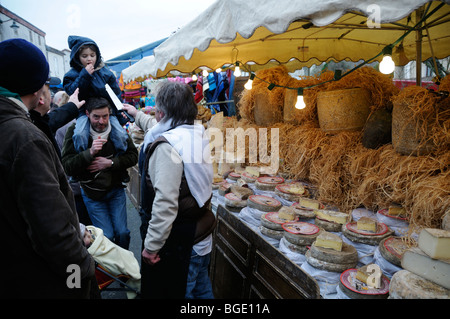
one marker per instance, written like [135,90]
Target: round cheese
[407,285]
[290,191]
[328,225]
[300,233]
[356,289]
[392,249]
[303,212]
[348,255]
[249,178]
[234,203]
[272,220]
[366,237]
[268,183]
[234,176]
[276,234]
[224,188]
[328,266]
[263,203]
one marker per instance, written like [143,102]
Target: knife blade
[117,102]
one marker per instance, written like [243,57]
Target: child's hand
[74,99]
[90,68]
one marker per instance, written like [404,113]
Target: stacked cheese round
[263,203]
[268,183]
[355,234]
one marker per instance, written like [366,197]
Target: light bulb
[387,65]
[300,102]
[194,77]
[237,71]
[249,84]
[205,73]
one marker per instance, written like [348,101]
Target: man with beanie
[45,256]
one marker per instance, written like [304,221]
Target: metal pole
[419,15]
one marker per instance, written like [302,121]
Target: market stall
[361,192]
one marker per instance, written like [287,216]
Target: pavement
[134,222]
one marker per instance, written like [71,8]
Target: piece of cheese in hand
[435,243]
[331,216]
[367,223]
[329,240]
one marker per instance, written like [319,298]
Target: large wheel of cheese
[290,191]
[365,237]
[300,233]
[224,188]
[301,249]
[327,225]
[303,212]
[268,183]
[276,234]
[234,176]
[355,289]
[272,221]
[264,203]
[348,254]
[328,266]
[392,249]
[407,285]
[249,178]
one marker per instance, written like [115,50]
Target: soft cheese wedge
[435,243]
[367,223]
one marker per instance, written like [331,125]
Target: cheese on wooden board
[367,223]
[329,240]
[332,216]
[435,270]
[435,243]
[407,285]
[348,254]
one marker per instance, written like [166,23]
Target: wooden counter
[244,265]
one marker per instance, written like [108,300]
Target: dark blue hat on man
[23,67]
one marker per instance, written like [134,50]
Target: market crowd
[63,173]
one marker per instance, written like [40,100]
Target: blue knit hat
[23,67]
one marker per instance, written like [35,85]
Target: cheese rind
[407,285]
[332,216]
[367,223]
[329,240]
[435,243]
[435,270]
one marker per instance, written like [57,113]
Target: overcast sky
[118,26]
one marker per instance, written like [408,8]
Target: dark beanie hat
[23,67]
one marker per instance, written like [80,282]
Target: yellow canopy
[301,33]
